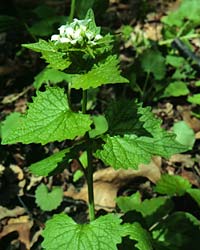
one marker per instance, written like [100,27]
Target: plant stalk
[90,185]
[89,172]
[72,10]
[145,86]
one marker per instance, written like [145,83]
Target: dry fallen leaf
[4,212]
[22,225]
[20,176]
[184,159]
[193,122]
[34,180]
[108,181]
[191,177]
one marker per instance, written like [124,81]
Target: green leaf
[178,231]
[152,210]
[56,59]
[10,122]
[194,9]
[194,99]
[176,89]
[50,75]
[179,74]
[77,175]
[48,119]
[197,83]
[130,150]
[195,194]
[46,166]
[153,62]
[172,185]
[61,232]
[184,134]
[48,201]
[43,27]
[123,118]
[41,46]
[173,18]
[101,126]
[175,61]
[139,234]
[129,203]
[103,73]
[146,207]
[150,122]
[92,25]
[176,18]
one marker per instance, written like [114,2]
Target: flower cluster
[76,32]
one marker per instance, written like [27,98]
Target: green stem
[90,184]
[138,88]
[84,101]
[145,85]
[69,96]
[89,174]
[169,41]
[72,10]
[183,28]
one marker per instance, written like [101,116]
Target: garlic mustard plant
[123,136]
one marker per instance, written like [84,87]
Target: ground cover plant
[81,59]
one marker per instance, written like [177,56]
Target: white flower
[62,29]
[69,31]
[83,28]
[77,32]
[90,35]
[73,41]
[98,36]
[64,40]
[55,37]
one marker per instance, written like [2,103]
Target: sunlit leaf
[103,233]
[172,185]
[103,73]
[48,200]
[48,119]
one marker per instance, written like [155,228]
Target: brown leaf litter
[108,181]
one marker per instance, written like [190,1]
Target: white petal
[97,37]
[73,41]
[62,29]
[55,37]
[77,34]
[69,31]
[89,35]
[64,40]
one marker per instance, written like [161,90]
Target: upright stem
[84,101]
[145,85]
[90,184]
[72,10]
[89,173]
[69,96]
